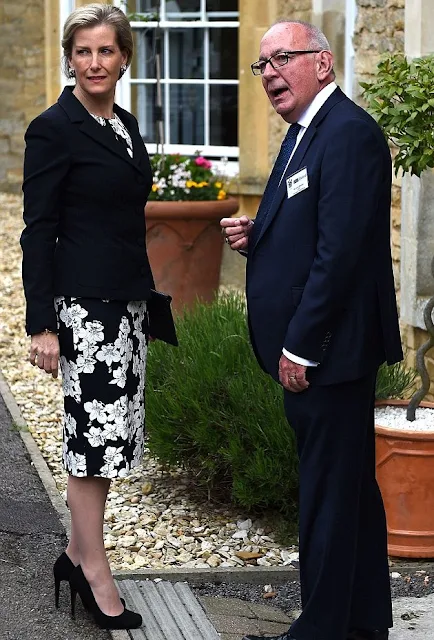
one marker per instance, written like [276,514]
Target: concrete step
[169,611]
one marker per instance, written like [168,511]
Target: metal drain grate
[169,611]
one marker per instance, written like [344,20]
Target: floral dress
[103,349]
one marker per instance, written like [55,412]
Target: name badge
[297,182]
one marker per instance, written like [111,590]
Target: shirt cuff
[298,360]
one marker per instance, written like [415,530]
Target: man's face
[292,87]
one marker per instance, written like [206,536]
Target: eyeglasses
[278,60]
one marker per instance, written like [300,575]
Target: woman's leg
[72,550]
[86,500]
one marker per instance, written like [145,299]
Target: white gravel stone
[240,535]
[244,525]
[395,418]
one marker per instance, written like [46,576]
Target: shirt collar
[316,104]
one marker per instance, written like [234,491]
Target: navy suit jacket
[319,271]
[84,201]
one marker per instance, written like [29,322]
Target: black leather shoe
[285,636]
[362,634]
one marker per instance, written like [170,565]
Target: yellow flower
[202,184]
[221,195]
[190,183]
[154,187]
[218,185]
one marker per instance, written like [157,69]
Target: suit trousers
[344,571]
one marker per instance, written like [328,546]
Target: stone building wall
[380,29]
[22,82]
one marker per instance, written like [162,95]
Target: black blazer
[319,271]
[84,200]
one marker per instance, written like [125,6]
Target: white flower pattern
[104,349]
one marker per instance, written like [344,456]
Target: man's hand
[292,376]
[44,352]
[236,232]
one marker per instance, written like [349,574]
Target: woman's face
[96,59]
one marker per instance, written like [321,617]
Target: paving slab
[413,618]
[169,611]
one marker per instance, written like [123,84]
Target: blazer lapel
[298,156]
[90,127]
[294,164]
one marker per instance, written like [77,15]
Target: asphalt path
[31,537]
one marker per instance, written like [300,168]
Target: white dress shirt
[305,120]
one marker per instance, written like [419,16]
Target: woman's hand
[44,352]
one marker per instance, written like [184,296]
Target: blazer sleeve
[46,163]
[354,176]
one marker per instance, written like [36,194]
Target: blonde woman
[87,278]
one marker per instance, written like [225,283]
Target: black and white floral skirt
[103,349]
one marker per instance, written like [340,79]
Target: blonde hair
[91,15]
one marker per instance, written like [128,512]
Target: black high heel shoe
[63,567]
[126,620]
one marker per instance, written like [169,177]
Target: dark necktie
[286,149]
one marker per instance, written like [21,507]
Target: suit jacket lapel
[298,156]
[292,166]
[90,127]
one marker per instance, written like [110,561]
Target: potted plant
[402,101]
[183,233]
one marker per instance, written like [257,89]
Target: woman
[87,278]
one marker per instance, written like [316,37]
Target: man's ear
[324,61]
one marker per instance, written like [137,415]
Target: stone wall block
[22,83]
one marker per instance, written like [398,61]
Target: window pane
[183,10]
[223,54]
[186,53]
[143,98]
[148,7]
[143,64]
[186,114]
[214,7]
[224,115]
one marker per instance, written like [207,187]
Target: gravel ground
[154,518]
[287,596]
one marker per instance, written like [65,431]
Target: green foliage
[179,177]
[211,410]
[394,381]
[143,17]
[402,100]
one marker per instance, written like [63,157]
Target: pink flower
[203,162]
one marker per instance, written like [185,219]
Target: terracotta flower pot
[185,245]
[405,473]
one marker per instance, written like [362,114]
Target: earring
[71,72]
[123,69]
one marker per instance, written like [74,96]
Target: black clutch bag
[161,325]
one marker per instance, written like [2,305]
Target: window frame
[123,95]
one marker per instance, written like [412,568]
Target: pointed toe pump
[126,620]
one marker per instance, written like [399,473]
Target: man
[322,317]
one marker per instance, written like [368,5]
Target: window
[65,8]
[199,74]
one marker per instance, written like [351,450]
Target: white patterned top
[119,129]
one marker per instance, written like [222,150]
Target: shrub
[211,410]
[401,99]
[394,381]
